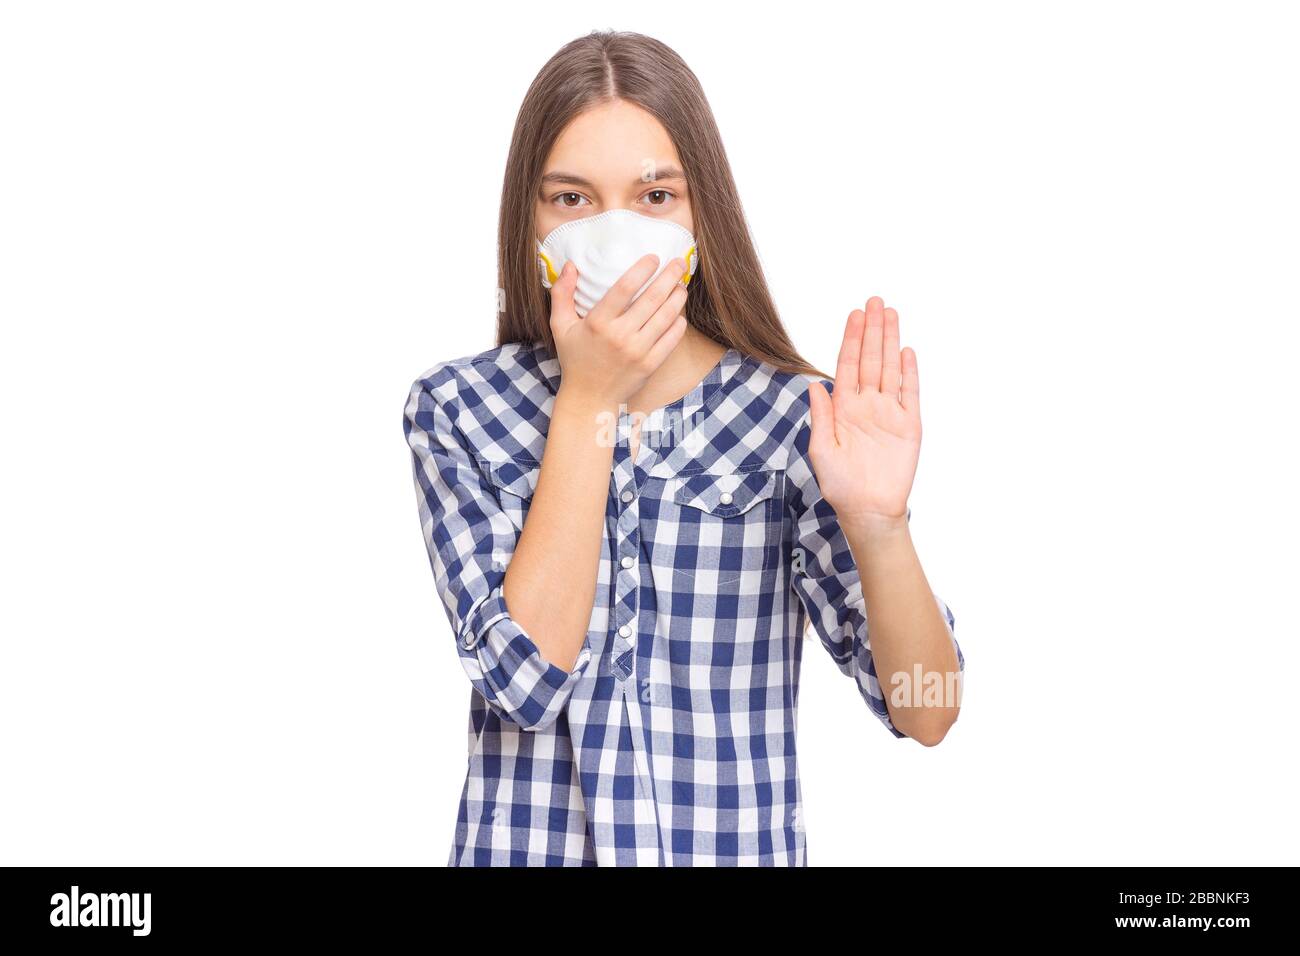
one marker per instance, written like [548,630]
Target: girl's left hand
[866,435]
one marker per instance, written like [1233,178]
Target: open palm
[866,433]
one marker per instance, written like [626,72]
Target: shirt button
[625,631]
[628,562]
[725,497]
[627,496]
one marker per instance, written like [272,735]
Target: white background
[231,235]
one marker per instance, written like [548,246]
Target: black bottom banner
[379,906]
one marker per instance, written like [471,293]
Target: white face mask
[604,247]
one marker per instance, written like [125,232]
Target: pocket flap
[726,495]
[517,477]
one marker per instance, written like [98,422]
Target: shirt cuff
[504,662]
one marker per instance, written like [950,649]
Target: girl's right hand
[607,356]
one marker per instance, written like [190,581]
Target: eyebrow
[662,174]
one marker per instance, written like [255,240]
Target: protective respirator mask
[605,246]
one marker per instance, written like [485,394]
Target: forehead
[609,140]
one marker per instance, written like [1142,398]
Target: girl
[636,502]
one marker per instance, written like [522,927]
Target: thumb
[563,313]
[822,418]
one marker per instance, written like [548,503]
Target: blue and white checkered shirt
[672,740]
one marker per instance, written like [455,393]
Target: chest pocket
[728,526]
[515,481]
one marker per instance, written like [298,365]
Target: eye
[569,200]
[659,197]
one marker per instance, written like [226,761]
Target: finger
[615,301]
[662,319]
[822,418]
[911,397]
[872,346]
[889,366]
[649,302]
[846,367]
[563,311]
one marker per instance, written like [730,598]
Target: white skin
[864,445]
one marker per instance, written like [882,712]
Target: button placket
[625,547]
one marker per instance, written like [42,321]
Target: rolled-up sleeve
[826,580]
[470,541]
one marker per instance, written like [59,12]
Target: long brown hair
[729,300]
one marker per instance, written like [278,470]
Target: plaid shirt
[672,740]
